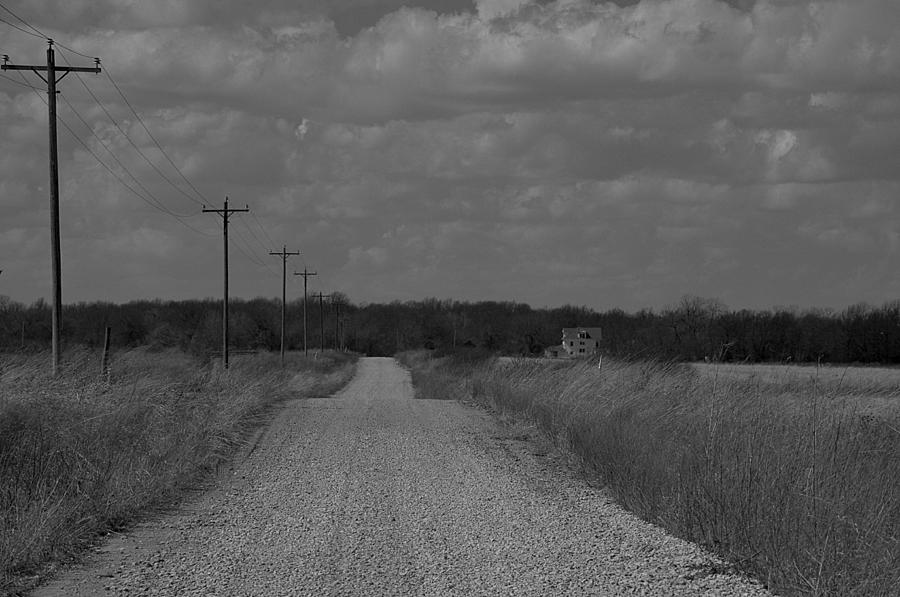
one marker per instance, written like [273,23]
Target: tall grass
[80,455]
[796,481]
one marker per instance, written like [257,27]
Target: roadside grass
[794,479]
[441,377]
[81,455]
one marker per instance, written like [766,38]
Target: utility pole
[55,74]
[321,297]
[337,323]
[284,255]
[306,276]
[225,212]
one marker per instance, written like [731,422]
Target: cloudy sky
[570,151]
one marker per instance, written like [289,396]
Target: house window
[581,350]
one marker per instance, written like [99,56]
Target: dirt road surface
[373,492]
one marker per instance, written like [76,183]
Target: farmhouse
[577,342]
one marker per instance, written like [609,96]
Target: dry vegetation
[80,455]
[791,473]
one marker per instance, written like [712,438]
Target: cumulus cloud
[491,9]
[628,151]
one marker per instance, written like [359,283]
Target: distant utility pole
[306,276]
[322,297]
[51,80]
[337,323]
[225,212]
[284,254]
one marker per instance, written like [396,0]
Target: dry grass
[796,479]
[80,455]
[855,381]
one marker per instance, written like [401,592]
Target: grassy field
[792,473]
[81,455]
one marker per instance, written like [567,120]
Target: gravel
[373,492]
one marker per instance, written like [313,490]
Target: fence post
[104,363]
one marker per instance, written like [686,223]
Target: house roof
[592,333]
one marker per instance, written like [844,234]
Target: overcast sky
[600,154]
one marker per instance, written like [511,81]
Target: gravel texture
[373,492]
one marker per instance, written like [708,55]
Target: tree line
[693,329]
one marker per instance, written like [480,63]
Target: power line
[259,242]
[253,234]
[11,80]
[263,228]
[37,32]
[149,134]
[65,47]
[248,253]
[152,201]
[14,26]
[115,175]
[112,172]
[132,143]
[26,23]
[158,203]
[244,247]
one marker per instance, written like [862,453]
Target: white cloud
[623,152]
[491,9]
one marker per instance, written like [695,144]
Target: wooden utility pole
[55,74]
[321,298]
[337,323]
[284,254]
[306,276]
[225,212]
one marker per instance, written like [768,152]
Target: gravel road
[372,492]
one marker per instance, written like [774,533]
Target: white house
[578,342]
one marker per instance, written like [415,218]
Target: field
[791,473]
[82,454]
[856,379]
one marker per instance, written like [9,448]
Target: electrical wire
[241,245]
[158,205]
[248,251]
[23,21]
[203,198]
[259,242]
[255,237]
[130,140]
[11,80]
[263,228]
[138,183]
[266,234]
[39,33]
[14,26]
[67,48]
[116,175]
